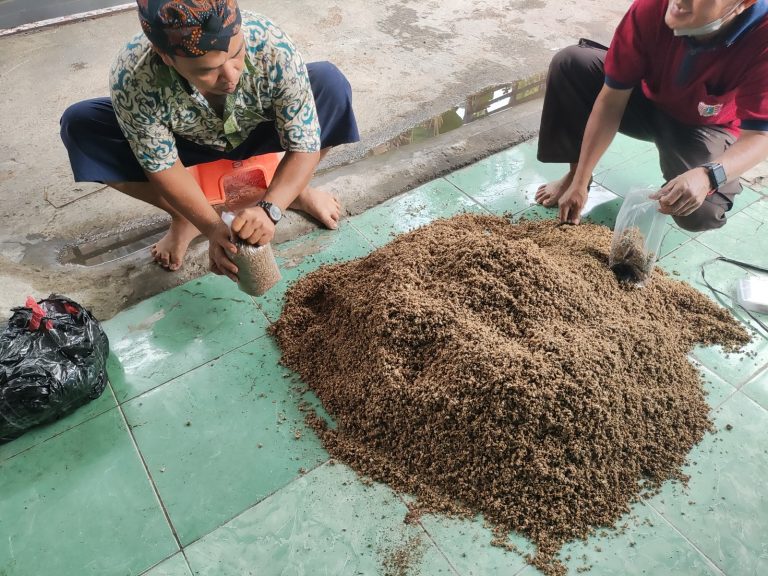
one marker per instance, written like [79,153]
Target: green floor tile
[724,510]
[717,389]
[744,199]
[507,181]
[175,566]
[223,437]
[602,206]
[685,264]
[757,389]
[641,173]
[177,331]
[326,522]
[81,504]
[437,199]
[674,237]
[648,546]
[307,253]
[742,238]
[467,545]
[42,433]
[758,209]
[624,149]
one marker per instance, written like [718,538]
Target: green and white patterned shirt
[152,103]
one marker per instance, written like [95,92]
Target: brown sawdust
[502,369]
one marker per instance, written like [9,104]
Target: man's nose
[230,73]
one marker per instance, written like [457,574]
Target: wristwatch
[717,176]
[274,212]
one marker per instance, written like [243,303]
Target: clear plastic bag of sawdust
[256,265]
[637,237]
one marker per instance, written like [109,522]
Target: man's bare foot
[320,205]
[548,194]
[169,251]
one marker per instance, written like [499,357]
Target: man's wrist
[716,176]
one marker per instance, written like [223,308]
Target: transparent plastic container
[637,237]
[257,269]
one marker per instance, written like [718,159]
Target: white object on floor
[752,294]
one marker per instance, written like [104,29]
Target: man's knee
[572,59]
[709,216]
[328,81]
[76,120]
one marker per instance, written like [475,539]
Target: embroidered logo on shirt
[709,110]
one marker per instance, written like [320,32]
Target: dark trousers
[576,76]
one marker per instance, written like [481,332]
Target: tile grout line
[688,540]
[431,539]
[151,480]
[57,434]
[255,504]
[488,210]
[214,359]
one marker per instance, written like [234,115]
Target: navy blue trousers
[99,152]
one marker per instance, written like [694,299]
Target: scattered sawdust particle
[485,367]
[728,427]
[404,560]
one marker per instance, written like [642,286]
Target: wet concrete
[14,13]
[408,62]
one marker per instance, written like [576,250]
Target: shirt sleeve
[752,95]
[627,60]
[140,113]
[294,103]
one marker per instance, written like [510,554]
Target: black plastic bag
[53,357]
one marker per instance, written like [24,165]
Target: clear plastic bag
[257,268]
[637,237]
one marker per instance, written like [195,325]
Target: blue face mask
[707,29]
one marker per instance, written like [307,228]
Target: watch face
[275,213]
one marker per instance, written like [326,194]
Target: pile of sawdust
[502,369]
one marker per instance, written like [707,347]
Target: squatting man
[690,76]
[202,82]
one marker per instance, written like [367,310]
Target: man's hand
[571,204]
[683,195]
[218,246]
[253,225]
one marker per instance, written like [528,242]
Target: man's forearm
[746,153]
[292,177]
[602,126]
[182,191]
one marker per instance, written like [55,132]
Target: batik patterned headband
[189,28]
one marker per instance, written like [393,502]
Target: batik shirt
[153,103]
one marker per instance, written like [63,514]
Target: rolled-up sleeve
[140,113]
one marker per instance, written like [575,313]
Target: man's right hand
[218,246]
[571,204]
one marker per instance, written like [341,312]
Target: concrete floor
[407,61]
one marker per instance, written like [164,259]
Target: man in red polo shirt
[690,76]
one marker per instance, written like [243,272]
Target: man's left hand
[254,226]
[683,195]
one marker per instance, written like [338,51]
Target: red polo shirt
[722,83]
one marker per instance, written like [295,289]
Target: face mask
[707,29]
